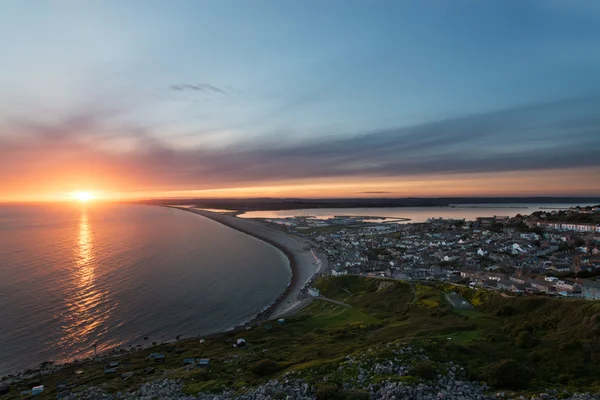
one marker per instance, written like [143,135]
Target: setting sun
[84,197]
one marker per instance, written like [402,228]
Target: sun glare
[83,197]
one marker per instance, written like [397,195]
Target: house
[314,292]
[517,287]
[458,301]
[491,284]
[590,289]
[494,276]
[240,343]
[543,286]
[504,284]
[567,285]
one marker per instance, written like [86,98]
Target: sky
[311,98]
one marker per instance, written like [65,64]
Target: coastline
[297,250]
[294,248]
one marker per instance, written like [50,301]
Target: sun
[83,197]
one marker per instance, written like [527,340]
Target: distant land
[259,204]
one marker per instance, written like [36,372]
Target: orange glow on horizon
[119,187]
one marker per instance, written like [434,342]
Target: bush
[329,392]
[264,367]
[525,340]
[505,311]
[424,370]
[509,374]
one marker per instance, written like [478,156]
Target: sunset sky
[311,98]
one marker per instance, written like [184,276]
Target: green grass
[564,350]
[461,337]
[322,314]
[468,313]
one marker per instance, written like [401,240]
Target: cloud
[201,87]
[559,135]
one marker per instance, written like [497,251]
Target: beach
[297,249]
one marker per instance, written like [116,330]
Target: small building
[240,343]
[188,361]
[281,321]
[458,301]
[203,362]
[159,357]
[37,390]
[314,292]
[127,375]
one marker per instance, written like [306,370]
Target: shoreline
[297,250]
[286,303]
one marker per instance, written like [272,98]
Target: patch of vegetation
[509,374]
[264,367]
[540,343]
[424,370]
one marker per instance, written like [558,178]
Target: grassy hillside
[554,342]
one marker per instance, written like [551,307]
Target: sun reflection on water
[86,301]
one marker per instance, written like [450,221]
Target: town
[555,253]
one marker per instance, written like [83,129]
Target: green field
[557,340]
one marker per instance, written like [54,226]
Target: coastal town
[555,252]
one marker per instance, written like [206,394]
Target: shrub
[505,311]
[329,392]
[525,340]
[264,367]
[424,370]
[508,374]
[355,394]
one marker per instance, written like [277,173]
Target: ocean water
[77,275]
[469,212]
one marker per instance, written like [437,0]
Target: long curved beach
[297,250]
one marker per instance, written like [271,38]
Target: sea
[79,278]
[469,212]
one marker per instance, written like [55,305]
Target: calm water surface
[416,214]
[72,276]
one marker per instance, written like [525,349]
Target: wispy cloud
[200,87]
[558,135]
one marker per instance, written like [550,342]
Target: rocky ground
[367,377]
